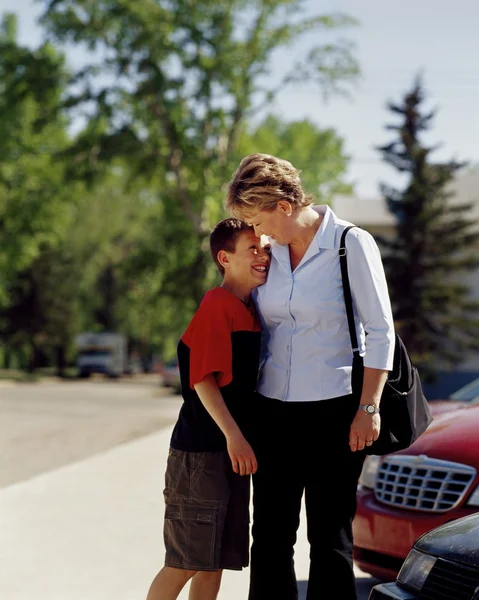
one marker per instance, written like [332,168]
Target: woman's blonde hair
[260,182]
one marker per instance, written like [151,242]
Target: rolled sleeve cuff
[380,355]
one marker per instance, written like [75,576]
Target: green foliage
[436,244]
[185,76]
[108,224]
[108,229]
[318,152]
[32,193]
[177,85]
[43,310]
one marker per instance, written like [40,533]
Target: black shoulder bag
[404,411]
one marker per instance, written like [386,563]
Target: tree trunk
[60,355]
[35,359]
[107,289]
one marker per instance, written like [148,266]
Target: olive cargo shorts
[207,512]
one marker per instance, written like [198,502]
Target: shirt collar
[326,234]
[324,238]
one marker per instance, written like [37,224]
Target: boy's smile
[247,267]
[251,255]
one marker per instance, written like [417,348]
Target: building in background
[372,214]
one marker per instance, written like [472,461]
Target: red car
[403,495]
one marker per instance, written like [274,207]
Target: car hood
[457,541]
[441,406]
[451,436]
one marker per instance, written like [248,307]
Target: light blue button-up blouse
[307,351]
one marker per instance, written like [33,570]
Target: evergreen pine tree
[434,246]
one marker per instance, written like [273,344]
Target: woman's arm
[370,294]
[371,298]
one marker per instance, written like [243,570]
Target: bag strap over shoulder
[348,299]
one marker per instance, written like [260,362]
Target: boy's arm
[240,452]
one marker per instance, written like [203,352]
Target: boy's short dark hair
[224,237]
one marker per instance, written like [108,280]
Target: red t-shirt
[223,338]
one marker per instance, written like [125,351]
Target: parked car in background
[104,352]
[464,396]
[403,495]
[171,375]
[442,565]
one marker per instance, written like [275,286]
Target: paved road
[91,530]
[45,426]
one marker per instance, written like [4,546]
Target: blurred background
[121,122]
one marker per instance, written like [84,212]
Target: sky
[395,42]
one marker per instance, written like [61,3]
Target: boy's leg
[196,496]
[168,584]
[204,530]
[205,585]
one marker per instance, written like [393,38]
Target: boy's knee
[182,574]
[209,575]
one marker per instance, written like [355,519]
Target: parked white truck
[101,353]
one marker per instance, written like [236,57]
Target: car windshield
[468,393]
[95,352]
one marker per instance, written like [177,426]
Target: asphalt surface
[81,507]
[45,426]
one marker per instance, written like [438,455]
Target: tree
[82,283]
[170,92]
[43,312]
[319,153]
[435,244]
[33,198]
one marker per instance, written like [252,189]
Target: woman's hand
[241,454]
[364,430]
[365,427]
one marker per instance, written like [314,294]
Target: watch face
[370,409]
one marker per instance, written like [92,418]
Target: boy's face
[249,264]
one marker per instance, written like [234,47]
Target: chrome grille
[450,580]
[422,483]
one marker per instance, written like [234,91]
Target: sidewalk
[93,530]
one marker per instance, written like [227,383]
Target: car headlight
[369,472]
[415,570]
[474,499]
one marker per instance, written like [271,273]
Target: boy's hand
[240,452]
[242,456]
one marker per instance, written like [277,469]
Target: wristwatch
[369,408]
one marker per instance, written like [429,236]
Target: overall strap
[348,299]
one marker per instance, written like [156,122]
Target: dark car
[442,565]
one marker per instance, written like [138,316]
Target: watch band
[369,408]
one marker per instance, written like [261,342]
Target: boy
[207,476]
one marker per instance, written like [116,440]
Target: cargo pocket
[190,536]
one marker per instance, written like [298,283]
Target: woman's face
[276,224]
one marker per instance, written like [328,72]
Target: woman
[311,427]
